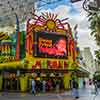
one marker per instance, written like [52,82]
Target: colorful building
[49,53]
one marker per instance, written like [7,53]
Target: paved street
[85,94]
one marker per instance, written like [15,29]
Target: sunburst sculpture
[49,22]
[3,36]
[46,22]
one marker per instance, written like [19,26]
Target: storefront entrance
[10,81]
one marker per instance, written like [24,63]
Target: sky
[76,15]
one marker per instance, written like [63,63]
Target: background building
[89,63]
[96,65]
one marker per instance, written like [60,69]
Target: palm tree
[94,19]
[97,39]
[97,54]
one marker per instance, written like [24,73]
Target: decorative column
[29,38]
[18,39]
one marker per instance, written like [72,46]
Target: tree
[97,54]
[94,19]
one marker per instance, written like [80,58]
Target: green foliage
[97,75]
[94,19]
[22,44]
[97,53]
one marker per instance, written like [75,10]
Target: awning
[82,69]
[81,72]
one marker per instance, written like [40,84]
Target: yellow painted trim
[11,64]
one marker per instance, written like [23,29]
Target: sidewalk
[85,94]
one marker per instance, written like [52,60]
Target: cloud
[62,11]
[79,17]
[7,29]
[86,40]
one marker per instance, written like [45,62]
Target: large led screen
[50,45]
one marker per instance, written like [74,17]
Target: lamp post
[91,7]
[74,1]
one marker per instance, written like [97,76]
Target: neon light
[58,48]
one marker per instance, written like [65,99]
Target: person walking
[43,86]
[95,85]
[57,85]
[84,84]
[33,86]
[75,91]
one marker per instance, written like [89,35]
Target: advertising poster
[50,45]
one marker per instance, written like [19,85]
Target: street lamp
[73,1]
[91,6]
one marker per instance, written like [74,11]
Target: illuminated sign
[45,43]
[50,45]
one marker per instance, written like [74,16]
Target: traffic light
[73,1]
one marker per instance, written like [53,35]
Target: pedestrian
[75,91]
[57,85]
[95,85]
[43,86]
[84,83]
[33,86]
[90,82]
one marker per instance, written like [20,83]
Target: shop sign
[7,59]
